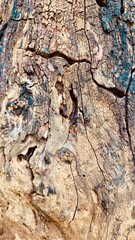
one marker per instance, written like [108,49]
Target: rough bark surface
[67,120]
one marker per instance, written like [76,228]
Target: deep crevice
[115,91]
[122,7]
[127,116]
[30,152]
[127,105]
[132,70]
[63,110]
[70,60]
[101,3]
[73,115]
[2,31]
[60,87]
[86,118]
[28,155]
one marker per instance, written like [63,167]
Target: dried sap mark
[120,54]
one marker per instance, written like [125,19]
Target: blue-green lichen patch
[0,49]
[120,54]
[27,94]
[15,14]
[109,13]
[2,34]
[45,50]
[50,191]
[21,106]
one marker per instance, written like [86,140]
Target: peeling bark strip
[67,120]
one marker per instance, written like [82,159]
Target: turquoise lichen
[1,68]
[106,19]
[0,49]
[15,14]
[45,86]
[123,76]
[132,85]
[127,65]
[45,50]
[108,13]
[119,54]
[30,100]
[132,88]
[26,94]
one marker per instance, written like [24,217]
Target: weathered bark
[67,121]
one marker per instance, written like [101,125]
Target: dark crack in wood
[77,197]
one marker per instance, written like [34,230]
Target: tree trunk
[67,121]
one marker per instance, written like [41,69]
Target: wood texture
[67,120]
